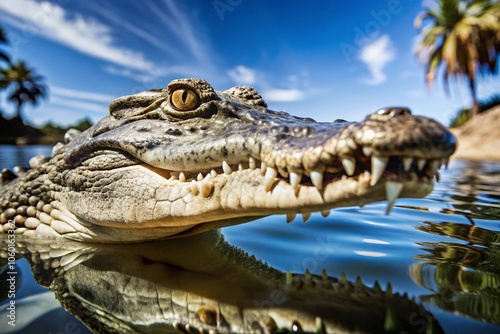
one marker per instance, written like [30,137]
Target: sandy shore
[479,139]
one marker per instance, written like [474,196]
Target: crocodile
[186,159]
[203,284]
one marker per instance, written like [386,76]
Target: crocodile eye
[184,99]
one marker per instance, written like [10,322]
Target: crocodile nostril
[394,111]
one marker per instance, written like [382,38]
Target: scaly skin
[187,159]
[201,284]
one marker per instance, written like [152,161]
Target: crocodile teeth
[174,175]
[252,163]
[378,167]
[199,177]
[240,167]
[349,164]
[271,174]
[407,163]
[206,186]
[306,216]
[295,179]
[317,178]
[263,167]
[325,213]
[444,162]
[226,168]
[194,187]
[421,164]
[392,191]
[290,217]
[433,166]
[182,177]
[367,150]
[213,173]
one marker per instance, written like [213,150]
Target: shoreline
[479,138]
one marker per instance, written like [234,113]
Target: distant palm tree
[26,86]
[462,34]
[3,40]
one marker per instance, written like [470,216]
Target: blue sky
[321,59]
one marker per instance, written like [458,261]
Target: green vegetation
[51,129]
[464,37]
[464,114]
[24,85]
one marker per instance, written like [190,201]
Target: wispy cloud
[99,37]
[283,95]
[376,55]
[81,95]
[243,75]
[298,84]
[80,105]
[89,102]
[85,35]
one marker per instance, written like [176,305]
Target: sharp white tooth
[421,164]
[263,167]
[199,177]
[240,167]
[325,213]
[226,168]
[349,164]
[367,150]
[378,167]
[317,178]
[407,163]
[271,174]
[433,166]
[392,191]
[206,186]
[251,163]
[445,162]
[194,187]
[290,217]
[306,216]
[182,177]
[295,179]
[213,173]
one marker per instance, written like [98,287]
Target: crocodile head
[188,158]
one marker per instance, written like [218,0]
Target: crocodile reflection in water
[465,278]
[161,286]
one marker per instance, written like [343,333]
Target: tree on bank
[24,84]
[464,37]
[3,40]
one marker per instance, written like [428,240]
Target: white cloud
[283,95]
[85,35]
[81,95]
[80,105]
[376,55]
[243,75]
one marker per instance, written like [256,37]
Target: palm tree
[26,85]
[3,40]
[462,34]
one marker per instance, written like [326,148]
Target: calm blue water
[440,249]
